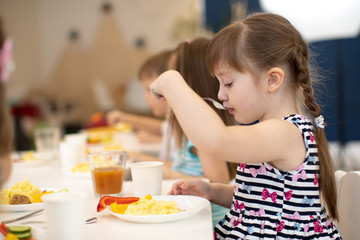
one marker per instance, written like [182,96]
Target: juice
[108,180]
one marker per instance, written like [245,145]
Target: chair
[349,211]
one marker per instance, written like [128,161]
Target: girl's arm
[150,124]
[239,144]
[214,169]
[221,194]
[217,193]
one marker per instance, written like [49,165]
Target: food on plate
[105,134]
[23,193]
[111,146]
[24,188]
[146,206]
[123,127]
[81,167]
[16,232]
[27,156]
[20,199]
[108,200]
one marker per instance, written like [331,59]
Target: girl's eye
[227,84]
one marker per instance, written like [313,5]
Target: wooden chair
[348,204]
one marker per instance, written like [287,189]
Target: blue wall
[338,62]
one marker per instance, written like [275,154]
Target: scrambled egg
[19,188]
[81,167]
[149,206]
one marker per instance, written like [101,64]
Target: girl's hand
[195,187]
[165,79]
[114,116]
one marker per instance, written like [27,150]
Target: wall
[108,49]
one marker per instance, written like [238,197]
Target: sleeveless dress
[272,204]
[188,163]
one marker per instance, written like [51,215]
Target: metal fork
[23,217]
[87,221]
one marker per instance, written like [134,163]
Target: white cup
[147,178]
[71,154]
[65,215]
[80,139]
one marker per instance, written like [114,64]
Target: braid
[326,169]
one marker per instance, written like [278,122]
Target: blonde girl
[285,187]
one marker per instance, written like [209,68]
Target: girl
[189,60]
[283,161]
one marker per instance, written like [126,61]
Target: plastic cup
[107,171]
[81,140]
[65,215]
[147,178]
[71,154]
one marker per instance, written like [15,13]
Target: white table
[108,226]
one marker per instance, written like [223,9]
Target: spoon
[216,104]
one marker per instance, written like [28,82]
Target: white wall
[40,29]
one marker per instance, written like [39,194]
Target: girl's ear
[275,79]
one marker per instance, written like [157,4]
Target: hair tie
[319,122]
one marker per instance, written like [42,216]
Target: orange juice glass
[107,171]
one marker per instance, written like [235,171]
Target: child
[5,124]
[283,161]
[149,129]
[189,162]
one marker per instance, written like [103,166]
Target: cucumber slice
[23,235]
[19,229]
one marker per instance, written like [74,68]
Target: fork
[87,221]
[23,217]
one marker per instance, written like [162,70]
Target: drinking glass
[107,171]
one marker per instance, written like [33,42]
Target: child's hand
[157,94]
[114,116]
[195,187]
[165,79]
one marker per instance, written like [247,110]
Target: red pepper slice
[107,200]
[3,229]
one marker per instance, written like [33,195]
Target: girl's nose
[222,95]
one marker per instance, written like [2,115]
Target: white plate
[18,162]
[21,207]
[27,164]
[37,233]
[191,204]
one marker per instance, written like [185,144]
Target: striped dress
[272,204]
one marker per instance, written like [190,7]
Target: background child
[189,60]
[5,124]
[149,129]
[262,65]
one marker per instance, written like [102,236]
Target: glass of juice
[107,171]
